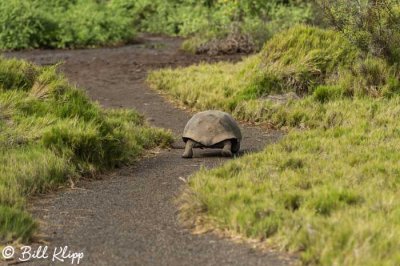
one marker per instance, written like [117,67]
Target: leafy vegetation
[329,189]
[225,26]
[370,25]
[62,23]
[50,132]
[214,25]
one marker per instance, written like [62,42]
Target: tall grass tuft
[50,132]
[303,60]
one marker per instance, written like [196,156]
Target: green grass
[329,189]
[50,132]
[285,64]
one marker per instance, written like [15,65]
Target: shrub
[89,24]
[213,26]
[244,26]
[371,25]
[24,25]
[60,24]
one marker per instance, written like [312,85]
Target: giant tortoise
[212,129]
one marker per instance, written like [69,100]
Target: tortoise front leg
[227,149]
[188,149]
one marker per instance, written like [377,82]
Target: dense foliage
[222,25]
[62,23]
[65,23]
[50,132]
[373,26]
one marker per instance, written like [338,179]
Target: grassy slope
[330,188]
[51,132]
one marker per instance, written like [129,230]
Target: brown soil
[128,217]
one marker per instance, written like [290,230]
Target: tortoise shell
[211,127]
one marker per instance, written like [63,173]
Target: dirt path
[128,216]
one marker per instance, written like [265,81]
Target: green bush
[89,23]
[371,25]
[213,26]
[245,25]
[60,24]
[24,24]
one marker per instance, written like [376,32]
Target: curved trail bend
[128,217]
